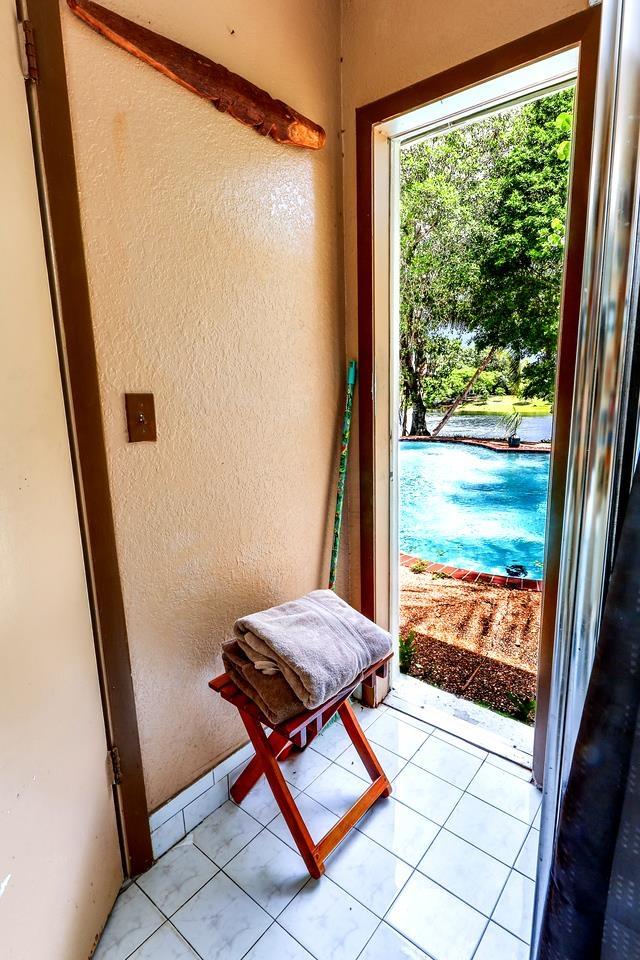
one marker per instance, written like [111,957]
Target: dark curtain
[592,910]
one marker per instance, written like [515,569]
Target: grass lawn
[506,405]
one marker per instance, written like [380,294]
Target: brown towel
[272,694]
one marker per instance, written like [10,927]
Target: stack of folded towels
[298,655]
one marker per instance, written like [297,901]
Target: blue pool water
[473,508]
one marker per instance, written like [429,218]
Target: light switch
[141,416]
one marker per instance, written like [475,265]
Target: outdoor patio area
[443,869]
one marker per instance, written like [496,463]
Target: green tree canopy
[482,213]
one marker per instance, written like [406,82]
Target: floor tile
[465,871]
[537,821]
[177,876]
[388,944]
[523,773]
[260,802]
[133,919]
[391,763]
[336,789]
[221,922]
[527,860]
[332,741]
[425,793]
[440,924]
[277,944]
[515,907]
[447,762]
[412,721]
[515,797]
[368,872]
[167,834]
[269,871]
[225,833]
[484,826]
[366,715]
[460,744]
[301,768]
[400,829]
[396,735]
[328,922]
[318,819]
[497,944]
[165,944]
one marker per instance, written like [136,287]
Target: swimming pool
[473,508]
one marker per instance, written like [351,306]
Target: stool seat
[297,733]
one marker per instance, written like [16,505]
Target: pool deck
[472,576]
[499,446]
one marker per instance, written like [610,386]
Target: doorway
[545,62]
[476,268]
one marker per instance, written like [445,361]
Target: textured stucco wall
[214,261]
[387,46]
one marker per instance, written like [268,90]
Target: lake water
[490,426]
[473,508]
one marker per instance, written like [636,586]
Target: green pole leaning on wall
[342,471]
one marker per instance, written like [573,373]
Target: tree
[481,248]
[444,223]
[518,297]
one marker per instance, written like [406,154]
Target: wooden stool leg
[279,746]
[282,794]
[362,745]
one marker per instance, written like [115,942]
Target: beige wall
[214,261]
[387,45]
[60,865]
[215,266]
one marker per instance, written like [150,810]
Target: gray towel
[272,694]
[318,642]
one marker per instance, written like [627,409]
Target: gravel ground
[477,641]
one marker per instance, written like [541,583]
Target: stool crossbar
[296,734]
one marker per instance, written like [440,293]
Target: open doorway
[546,63]
[478,257]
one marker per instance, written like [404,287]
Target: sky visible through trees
[482,222]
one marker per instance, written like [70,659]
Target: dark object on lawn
[516,570]
[406,650]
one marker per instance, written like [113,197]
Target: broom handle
[342,471]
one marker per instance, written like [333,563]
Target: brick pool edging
[499,446]
[472,576]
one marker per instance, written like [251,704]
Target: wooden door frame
[60,208]
[581,30]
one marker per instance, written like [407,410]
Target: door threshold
[468,721]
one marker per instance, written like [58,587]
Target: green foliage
[419,566]
[512,423]
[407,650]
[524,708]
[482,214]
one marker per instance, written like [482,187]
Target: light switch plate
[141,416]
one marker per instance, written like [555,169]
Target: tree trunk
[418,418]
[403,419]
[465,393]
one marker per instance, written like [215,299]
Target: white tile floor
[444,869]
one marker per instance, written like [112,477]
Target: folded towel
[319,643]
[272,694]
